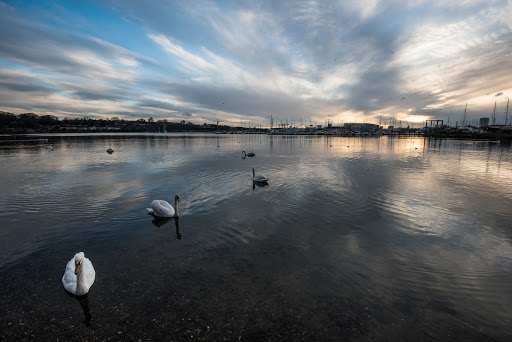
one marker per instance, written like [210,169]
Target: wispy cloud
[186,59]
[205,60]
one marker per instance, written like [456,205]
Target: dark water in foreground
[353,238]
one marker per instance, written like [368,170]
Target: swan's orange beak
[77,268]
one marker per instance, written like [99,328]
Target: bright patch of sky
[243,60]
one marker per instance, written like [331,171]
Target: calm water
[353,238]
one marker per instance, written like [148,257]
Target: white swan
[162,208]
[79,275]
[258,178]
[49,147]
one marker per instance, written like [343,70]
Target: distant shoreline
[507,138]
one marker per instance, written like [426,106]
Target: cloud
[23,82]
[97,95]
[36,45]
[344,60]
[186,59]
[158,104]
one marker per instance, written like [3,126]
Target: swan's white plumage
[70,279]
[258,178]
[161,208]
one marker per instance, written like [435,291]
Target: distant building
[434,125]
[361,127]
[484,122]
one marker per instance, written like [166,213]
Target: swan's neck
[253,173]
[80,282]
[177,213]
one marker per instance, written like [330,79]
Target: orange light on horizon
[416,118]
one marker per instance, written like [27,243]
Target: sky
[299,62]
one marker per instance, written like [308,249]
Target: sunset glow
[230,60]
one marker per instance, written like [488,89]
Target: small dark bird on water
[250,154]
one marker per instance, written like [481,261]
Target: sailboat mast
[464,118]
[494,115]
[506,114]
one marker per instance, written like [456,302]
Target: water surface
[352,238]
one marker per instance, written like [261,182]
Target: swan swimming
[250,154]
[258,178]
[79,275]
[162,208]
[110,150]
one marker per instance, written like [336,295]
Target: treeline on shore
[32,123]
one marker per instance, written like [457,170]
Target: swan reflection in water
[260,184]
[160,221]
[84,304]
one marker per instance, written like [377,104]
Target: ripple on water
[423,235]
